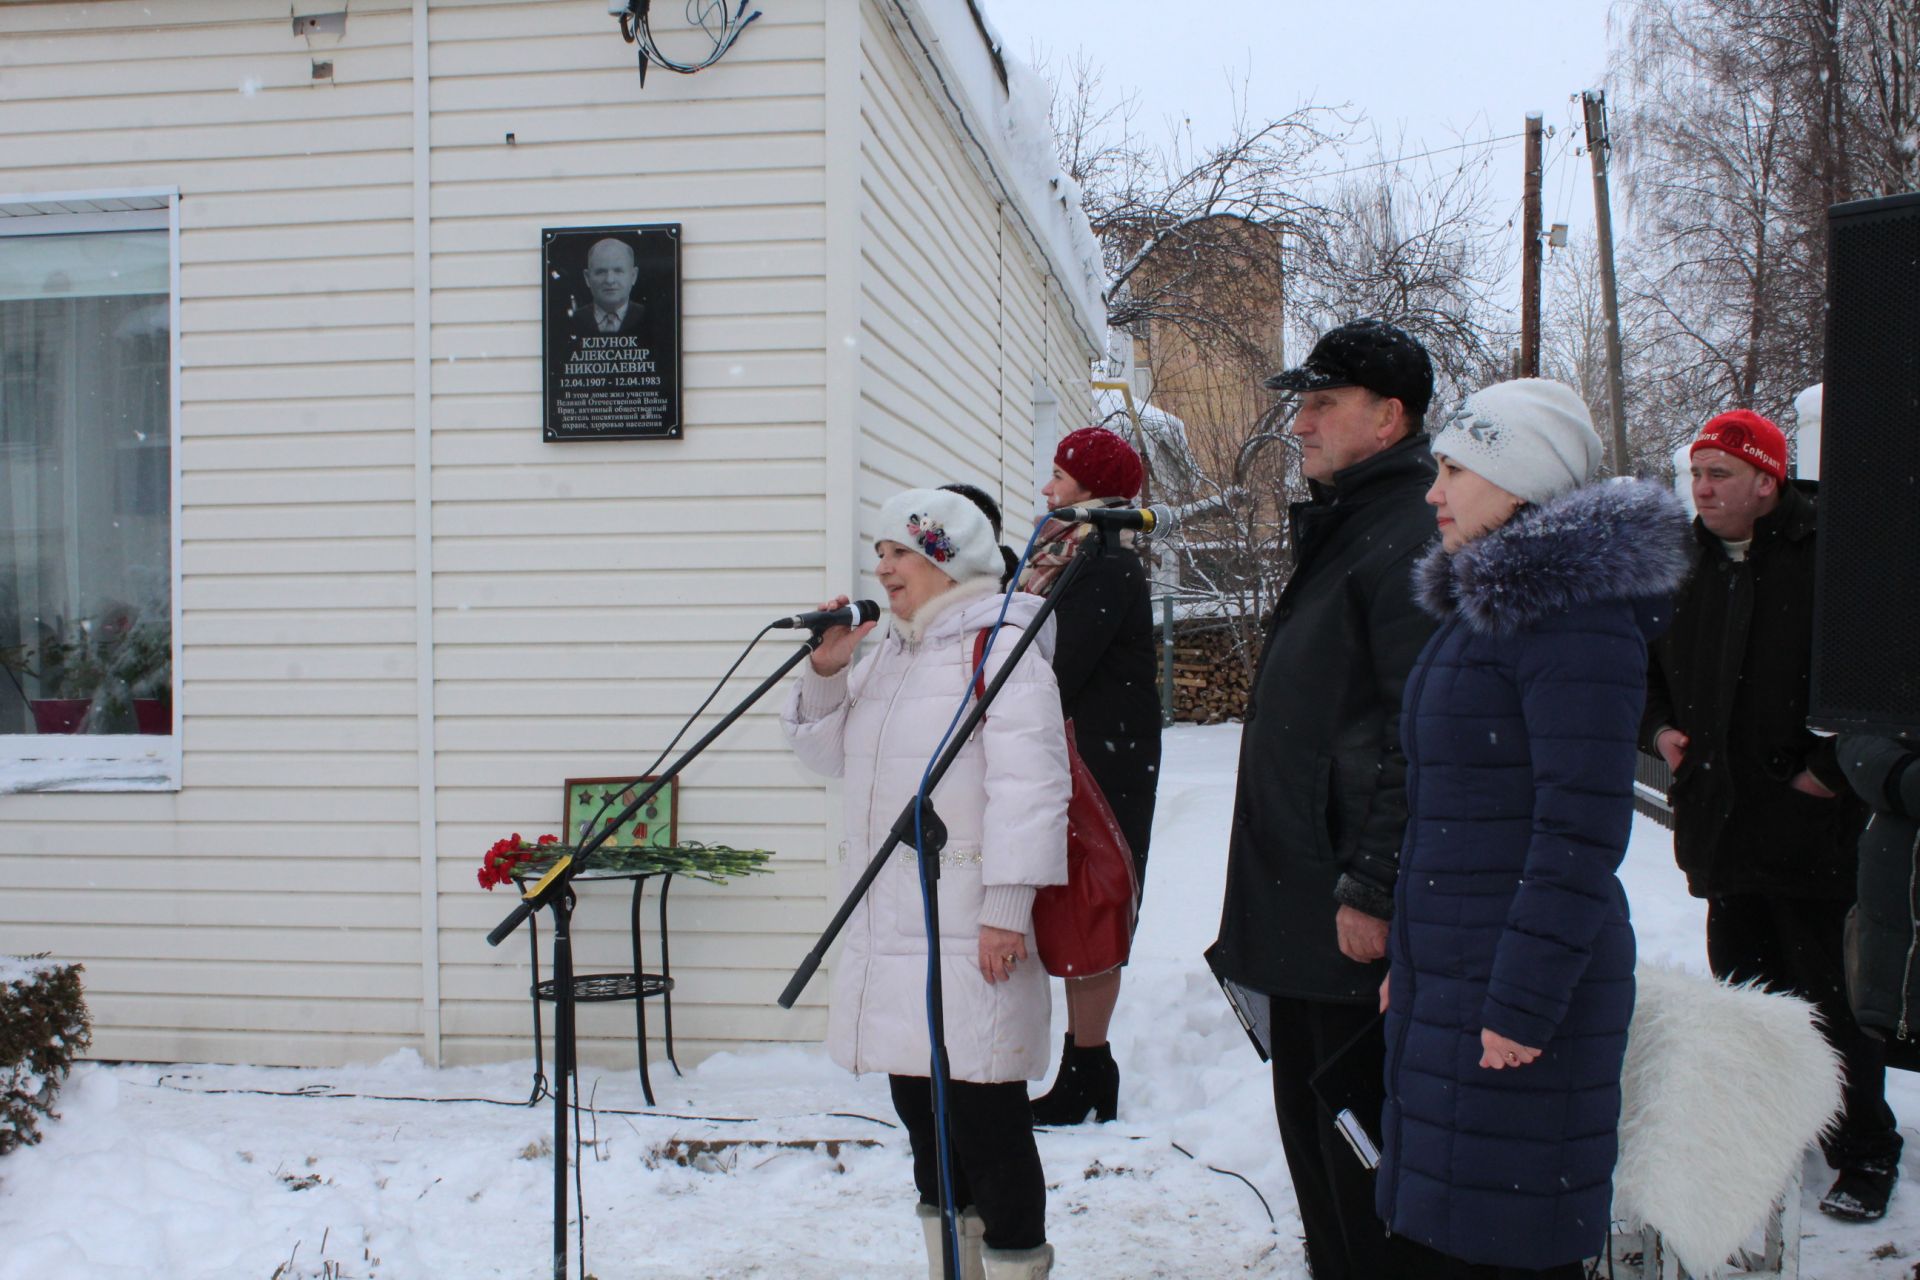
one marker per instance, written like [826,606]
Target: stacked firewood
[1209,679]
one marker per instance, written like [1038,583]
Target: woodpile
[1209,680]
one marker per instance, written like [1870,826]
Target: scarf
[1056,546]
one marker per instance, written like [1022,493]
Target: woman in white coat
[877,723]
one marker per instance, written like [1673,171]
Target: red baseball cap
[1749,437]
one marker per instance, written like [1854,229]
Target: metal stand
[933,839]
[555,892]
[594,988]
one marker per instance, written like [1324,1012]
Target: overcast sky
[1425,73]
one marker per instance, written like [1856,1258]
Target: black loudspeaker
[1866,638]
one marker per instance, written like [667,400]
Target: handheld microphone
[1145,519]
[851,615]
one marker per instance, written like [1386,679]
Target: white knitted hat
[1533,437]
[947,529]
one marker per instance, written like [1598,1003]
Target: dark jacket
[1321,804]
[1520,723]
[1731,673]
[1883,961]
[1104,660]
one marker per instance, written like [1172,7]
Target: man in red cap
[1764,824]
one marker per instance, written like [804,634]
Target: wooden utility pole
[1595,102]
[1530,250]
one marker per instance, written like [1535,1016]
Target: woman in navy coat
[1511,979]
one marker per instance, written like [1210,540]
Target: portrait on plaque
[611,329]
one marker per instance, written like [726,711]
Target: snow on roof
[1155,421]
[1009,120]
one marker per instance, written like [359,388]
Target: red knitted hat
[1104,463]
[1749,437]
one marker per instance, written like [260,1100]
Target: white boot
[1018,1264]
[972,1228]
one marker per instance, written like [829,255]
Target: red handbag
[1085,926]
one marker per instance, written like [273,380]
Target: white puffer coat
[1004,802]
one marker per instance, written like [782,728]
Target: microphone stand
[555,892]
[933,834]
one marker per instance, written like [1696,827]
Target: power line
[1378,164]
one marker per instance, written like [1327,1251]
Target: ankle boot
[972,1230]
[1089,1081]
[1018,1264]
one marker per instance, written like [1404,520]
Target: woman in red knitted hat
[1104,661]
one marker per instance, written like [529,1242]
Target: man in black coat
[1765,826]
[1320,806]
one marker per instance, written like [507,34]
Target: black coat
[1883,971]
[1321,804]
[1731,673]
[1104,660]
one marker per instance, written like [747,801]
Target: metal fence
[1651,778]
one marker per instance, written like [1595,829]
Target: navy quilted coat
[1519,723]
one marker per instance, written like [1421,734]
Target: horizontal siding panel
[352,1013]
[266,312]
[628,555]
[634,623]
[339,520]
[298,381]
[107,873]
[214,105]
[703,407]
[216,912]
[658,158]
[753,243]
[340,591]
[300,662]
[277,255]
[633,480]
[213,978]
[581,518]
[303,485]
[326,770]
[361,626]
[236,271]
[285,700]
[364,342]
[609,86]
[801,113]
[735,337]
[318,450]
[234,942]
[638,197]
[341,555]
[391,733]
[289,72]
[75,834]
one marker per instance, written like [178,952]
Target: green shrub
[43,1028]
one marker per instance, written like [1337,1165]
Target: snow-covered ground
[765,1163]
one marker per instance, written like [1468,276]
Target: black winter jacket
[1732,673]
[1883,969]
[1321,804]
[1103,658]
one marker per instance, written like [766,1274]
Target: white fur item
[1724,1089]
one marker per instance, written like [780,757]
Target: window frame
[110,762]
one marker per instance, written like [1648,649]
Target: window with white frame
[87,538]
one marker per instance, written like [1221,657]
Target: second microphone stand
[933,837]
[555,891]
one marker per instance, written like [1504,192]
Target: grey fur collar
[1616,540]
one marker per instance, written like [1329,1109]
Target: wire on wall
[711,16]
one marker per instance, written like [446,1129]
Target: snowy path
[144,1180]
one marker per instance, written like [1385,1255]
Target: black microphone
[1145,519]
[851,615]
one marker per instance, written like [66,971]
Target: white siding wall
[584,595]
[958,316]
[265,911]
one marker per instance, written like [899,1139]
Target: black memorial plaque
[611,327]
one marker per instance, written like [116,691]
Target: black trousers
[1345,1238]
[1417,1262]
[1792,944]
[996,1165]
